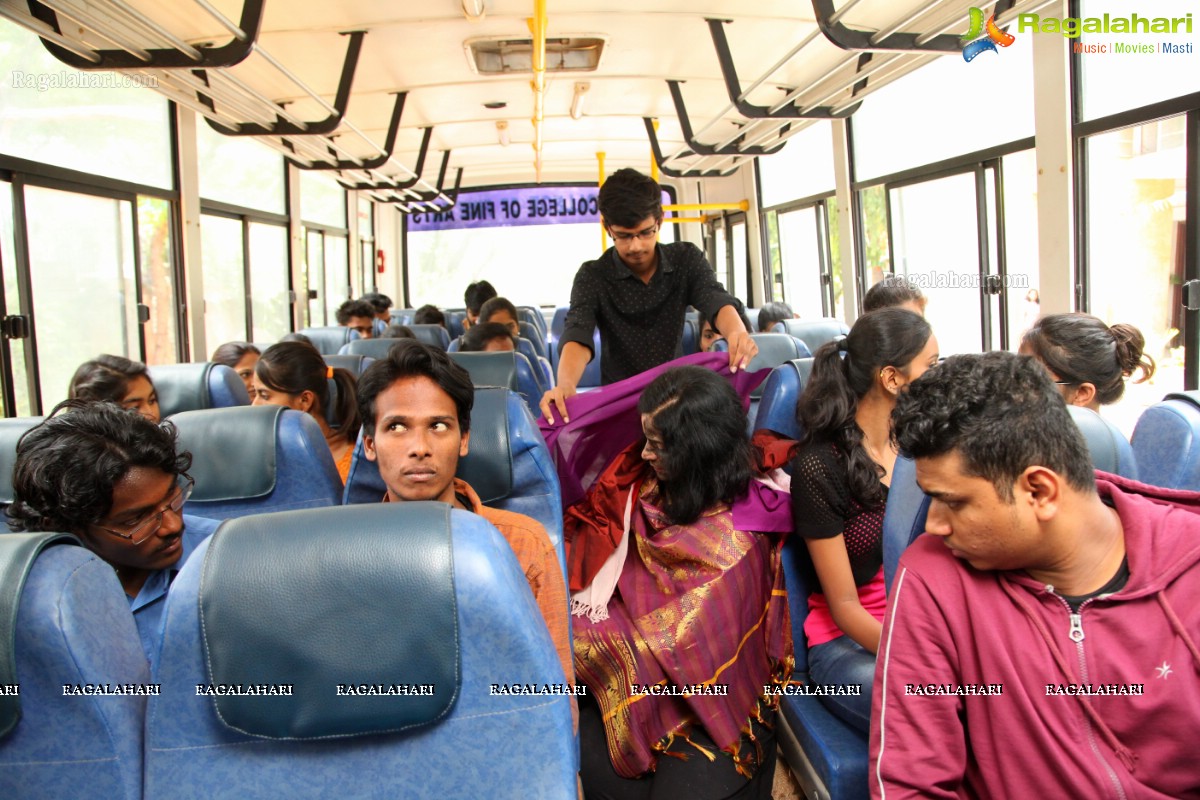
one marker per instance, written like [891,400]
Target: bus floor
[785,786]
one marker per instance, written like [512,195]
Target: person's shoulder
[684,253]
[199,528]
[519,523]
[928,558]
[815,456]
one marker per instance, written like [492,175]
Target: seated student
[1041,639]
[678,584]
[474,297]
[416,405]
[241,358]
[488,337]
[709,335]
[772,313]
[1088,360]
[840,479]
[383,309]
[429,315]
[359,316]
[499,309]
[895,290]
[295,375]
[114,479]
[118,380]
[398,332]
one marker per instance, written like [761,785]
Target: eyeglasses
[149,525]
[644,236]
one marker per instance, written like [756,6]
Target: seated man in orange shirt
[416,410]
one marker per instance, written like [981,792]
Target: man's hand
[741,349]
[557,398]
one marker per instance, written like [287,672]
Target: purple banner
[533,205]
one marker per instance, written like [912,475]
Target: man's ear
[1044,488]
[369,448]
[464,446]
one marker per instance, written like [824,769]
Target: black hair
[477,294]
[477,338]
[712,323]
[706,455]
[497,304]
[887,337]
[231,353]
[429,315]
[893,290]
[1080,348]
[398,332]
[295,367]
[409,358]
[771,313]
[628,197]
[380,302]
[297,337]
[67,466]
[1001,412]
[106,377]
[354,308]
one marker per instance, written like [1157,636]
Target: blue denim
[844,662]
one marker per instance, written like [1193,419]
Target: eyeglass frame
[644,235]
[154,519]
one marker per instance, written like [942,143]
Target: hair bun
[1130,344]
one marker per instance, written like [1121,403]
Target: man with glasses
[637,293]
[114,479]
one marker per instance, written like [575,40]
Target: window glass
[105,292]
[803,168]
[1136,206]
[738,275]
[1147,68]
[835,258]
[322,200]
[877,253]
[366,228]
[1020,242]
[270,306]
[224,280]
[102,123]
[314,258]
[799,242]
[239,171]
[158,279]
[774,258]
[8,264]
[337,276]
[933,114]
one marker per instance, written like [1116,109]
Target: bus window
[224,281]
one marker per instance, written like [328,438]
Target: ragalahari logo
[983,36]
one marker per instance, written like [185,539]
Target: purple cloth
[605,421]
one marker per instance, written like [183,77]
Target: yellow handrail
[741,205]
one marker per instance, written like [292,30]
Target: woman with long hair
[1089,360]
[680,630]
[294,374]
[840,478]
[241,358]
[118,380]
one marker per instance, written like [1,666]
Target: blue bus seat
[191,387]
[1110,450]
[256,459]
[1166,442]
[507,464]
[11,431]
[531,376]
[534,336]
[403,316]
[591,373]
[533,314]
[371,348]
[813,332]
[329,339]
[827,756]
[434,335]
[65,621]
[548,379]
[454,321]
[780,396]
[412,594]
[752,315]
[354,364]
[489,369]
[691,338]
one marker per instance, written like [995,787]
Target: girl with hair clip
[117,380]
[840,478]
[1086,358]
[294,375]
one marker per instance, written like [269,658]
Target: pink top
[819,626]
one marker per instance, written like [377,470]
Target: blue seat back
[71,627]
[752,316]
[1166,442]
[780,396]
[372,348]
[11,431]
[434,335]
[508,464]
[691,338]
[256,459]
[1110,450]
[534,336]
[403,316]
[191,387]
[591,373]
[354,364]
[531,377]
[489,369]
[534,315]
[328,339]
[454,321]
[412,584]
[813,332]
[774,349]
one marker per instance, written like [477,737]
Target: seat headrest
[360,597]
[11,431]
[354,364]
[489,369]
[372,348]
[242,465]
[1108,447]
[18,551]
[1192,398]
[488,464]
[814,332]
[329,339]
[434,335]
[191,387]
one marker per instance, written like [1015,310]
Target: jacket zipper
[1075,634]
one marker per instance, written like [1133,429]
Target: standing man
[1041,638]
[637,293]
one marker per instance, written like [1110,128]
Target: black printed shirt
[641,324]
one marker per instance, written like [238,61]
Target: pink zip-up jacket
[987,685]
